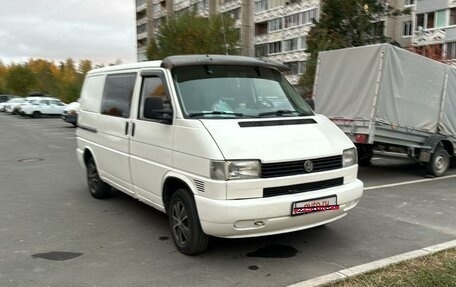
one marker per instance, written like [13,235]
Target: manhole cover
[30,160]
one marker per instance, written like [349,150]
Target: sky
[102,31]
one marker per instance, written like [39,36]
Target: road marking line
[364,268]
[409,182]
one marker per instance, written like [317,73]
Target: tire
[184,224]
[97,188]
[439,163]
[36,115]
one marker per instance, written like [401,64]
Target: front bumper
[267,216]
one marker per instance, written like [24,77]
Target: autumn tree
[189,33]
[343,24]
[20,80]
[3,71]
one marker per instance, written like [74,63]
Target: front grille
[269,170]
[305,187]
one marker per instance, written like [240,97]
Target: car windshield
[236,91]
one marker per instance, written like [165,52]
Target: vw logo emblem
[308,166]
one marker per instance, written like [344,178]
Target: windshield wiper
[279,113]
[216,113]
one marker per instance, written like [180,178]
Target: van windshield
[211,91]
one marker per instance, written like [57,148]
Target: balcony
[182,5]
[429,37]
[141,21]
[141,36]
[282,11]
[141,7]
[230,5]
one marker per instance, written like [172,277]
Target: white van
[223,144]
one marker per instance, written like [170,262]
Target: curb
[364,268]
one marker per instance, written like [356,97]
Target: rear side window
[117,95]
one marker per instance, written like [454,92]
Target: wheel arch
[173,181]
[88,153]
[433,141]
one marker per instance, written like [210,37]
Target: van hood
[278,139]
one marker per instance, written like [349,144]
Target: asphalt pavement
[53,233]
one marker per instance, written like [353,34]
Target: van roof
[191,60]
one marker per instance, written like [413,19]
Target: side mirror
[154,109]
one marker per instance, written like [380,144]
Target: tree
[20,80]
[343,24]
[189,33]
[3,71]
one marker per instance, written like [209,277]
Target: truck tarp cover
[410,88]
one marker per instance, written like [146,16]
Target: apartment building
[276,29]
[435,29]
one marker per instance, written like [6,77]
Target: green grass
[436,270]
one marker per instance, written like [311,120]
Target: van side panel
[107,136]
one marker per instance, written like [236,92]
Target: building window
[261,6]
[430,20]
[261,50]
[409,2]
[290,45]
[308,16]
[234,14]
[261,28]
[275,3]
[427,20]
[296,68]
[441,18]
[275,24]
[141,29]
[292,20]
[303,43]
[451,51]
[407,28]
[275,47]
[452,16]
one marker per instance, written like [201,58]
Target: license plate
[314,205]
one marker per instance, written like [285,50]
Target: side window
[155,103]
[117,95]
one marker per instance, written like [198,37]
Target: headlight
[229,170]
[350,157]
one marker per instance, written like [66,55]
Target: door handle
[133,129]
[126,128]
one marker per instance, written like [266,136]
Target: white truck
[389,99]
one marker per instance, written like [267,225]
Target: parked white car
[42,106]
[9,102]
[70,113]
[9,107]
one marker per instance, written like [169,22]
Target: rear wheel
[439,163]
[36,114]
[98,189]
[184,223]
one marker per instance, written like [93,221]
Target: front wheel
[98,189]
[36,115]
[184,223]
[439,163]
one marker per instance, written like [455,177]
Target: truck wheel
[439,163]
[98,189]
[365,153]
[184,223]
